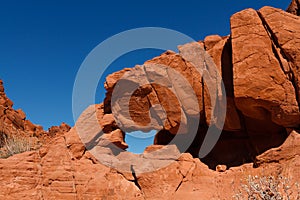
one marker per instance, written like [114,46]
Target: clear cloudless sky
[43,43]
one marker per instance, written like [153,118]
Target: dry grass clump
[11,145]
[268,188]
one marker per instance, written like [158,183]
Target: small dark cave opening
[234,148]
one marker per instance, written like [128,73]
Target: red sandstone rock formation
[259,65]
[57,172]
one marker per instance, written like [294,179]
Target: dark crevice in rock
[185,175]
[135,181]
[250,145]
[235,148]
[123,175]
[264,135]
[163,137]
[177,188]
[84,152]
[298,9]
[94,161]
[107,102]
[227,68]
[217,156]
[275,45]
[197,141]
[203,117]
[294,7]
[227,77]
[189,142]
[204,46]
[230,150]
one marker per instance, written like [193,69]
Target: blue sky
[43,43]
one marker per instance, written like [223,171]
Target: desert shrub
[11,145]
[268,188]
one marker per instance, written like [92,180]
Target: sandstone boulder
[285,31]
[261,88]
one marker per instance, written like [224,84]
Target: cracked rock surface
[259,66]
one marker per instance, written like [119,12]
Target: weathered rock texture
[285,30]
[261,89]
[259,66]
[57,172]
[294,7]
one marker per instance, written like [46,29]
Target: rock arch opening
[138,141]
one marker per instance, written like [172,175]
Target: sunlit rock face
[259,66]
[254,70]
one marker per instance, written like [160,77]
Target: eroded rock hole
[138,141]
[233,148]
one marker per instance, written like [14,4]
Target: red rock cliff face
[259,65]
